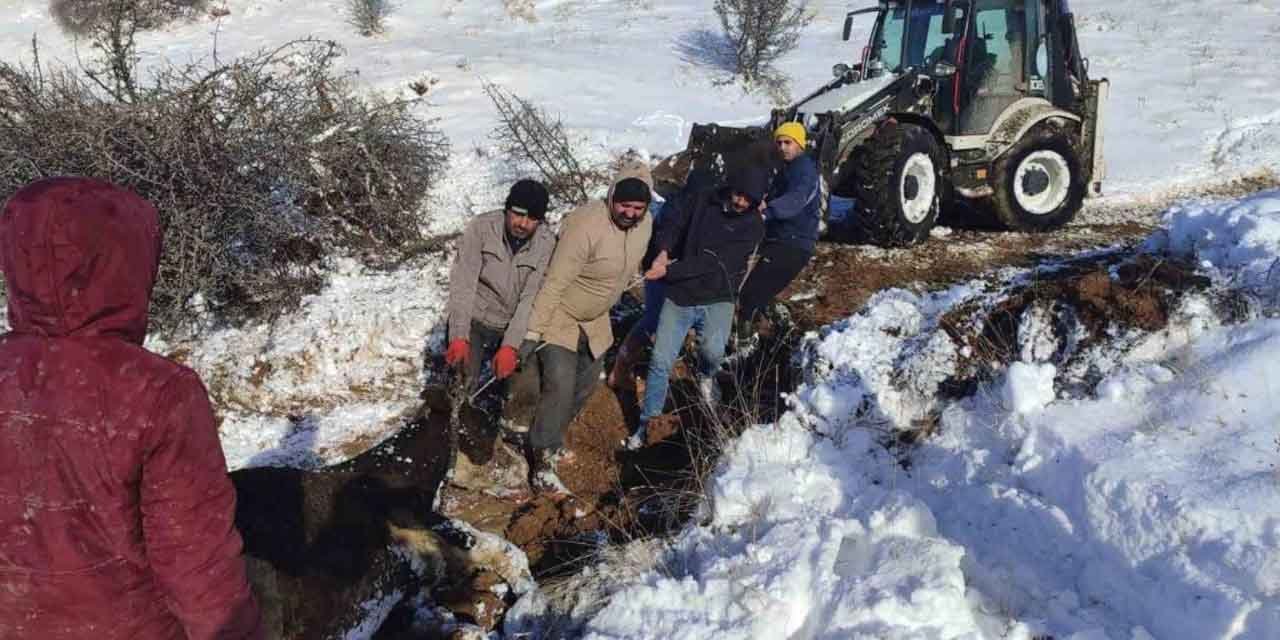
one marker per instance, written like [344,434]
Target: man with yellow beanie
[791,216]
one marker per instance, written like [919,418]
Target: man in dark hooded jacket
[117,518]
[716,231]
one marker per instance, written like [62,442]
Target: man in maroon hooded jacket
[116,512]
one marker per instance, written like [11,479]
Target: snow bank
[802,545]
[325,383]
[1145,509]
[1028,387]
[1238,241]
[881,367]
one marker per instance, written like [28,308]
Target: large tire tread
[1003,204]
[878,163]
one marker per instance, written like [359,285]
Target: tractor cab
[989,55]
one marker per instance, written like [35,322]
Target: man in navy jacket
[716,230]
[791,215]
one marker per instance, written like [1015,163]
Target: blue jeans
[712,321]
[655,292]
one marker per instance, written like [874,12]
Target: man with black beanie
[502,258]
[599,251]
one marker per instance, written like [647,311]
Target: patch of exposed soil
[840,278]
[1080,304]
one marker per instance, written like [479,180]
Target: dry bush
[529,133]
[568,603]
[110,27]
[761,31]
[259,168]
[521,10]
[85,17]
[368,16]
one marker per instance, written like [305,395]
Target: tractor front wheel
[898,184]
[1038,183]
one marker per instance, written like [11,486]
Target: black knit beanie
[631,190]
[529,197]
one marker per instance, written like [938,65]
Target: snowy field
[1195,98]
[1147,508]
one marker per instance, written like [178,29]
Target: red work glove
[458,352]
[504,363]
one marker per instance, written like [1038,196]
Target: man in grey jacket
[502,258]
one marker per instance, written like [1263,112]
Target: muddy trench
[329,547]
[325,546]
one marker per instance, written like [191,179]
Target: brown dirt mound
[840,278]
[1088,297]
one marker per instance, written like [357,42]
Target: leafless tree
[368,16]
[110,27]
[761,31]
[528,132]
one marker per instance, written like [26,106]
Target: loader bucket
[714,150]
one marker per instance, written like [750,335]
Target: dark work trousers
[568,379]
[778,264]
[485,342]
[477,428]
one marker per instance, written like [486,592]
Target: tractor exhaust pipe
[948,18]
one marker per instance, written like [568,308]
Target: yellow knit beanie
[793,130]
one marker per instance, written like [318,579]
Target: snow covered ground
[1194,88]
[1195,98]
[1148,507]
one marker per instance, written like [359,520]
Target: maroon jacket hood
[79,258]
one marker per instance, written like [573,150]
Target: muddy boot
[636,440]
[709,391]
[545,480]
[622,376]
[743,343]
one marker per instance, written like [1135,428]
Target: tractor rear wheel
[897,185]
[1038,183]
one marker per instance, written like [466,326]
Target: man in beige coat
[599,252]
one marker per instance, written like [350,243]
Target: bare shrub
[520,9]
[259,168]
[528,132]
[110,27]
[761,31]
[87,17]
[571,601]
[368,16]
